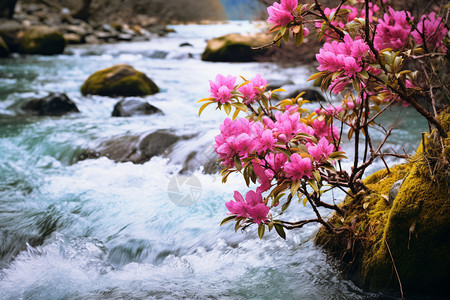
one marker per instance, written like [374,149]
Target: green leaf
[236,113]
[299,37]
[280,230]
[203,107]
[283,150]
[317,75]
[329,167]
[276,199]
[313,184]
[265,100]
[270,225]
[227,107]
[261,230]
[241,106]
[317,175]
[237,226]
[294,188]
[227,220]
[338,155]
[286,205]
[278,90]
[237,162]
[206,99]
[305,200]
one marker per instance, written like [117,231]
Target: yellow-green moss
[41,40]
[416,229]
[119,80]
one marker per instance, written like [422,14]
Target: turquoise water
[96,229]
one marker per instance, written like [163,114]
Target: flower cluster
[280,14]
[222,87]
[347,56]
[252,207]
[393,30]
[289,152]
[253,89]
[433,30]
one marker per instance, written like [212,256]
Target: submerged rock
[235,47]
[4,50]
[135,148]
[55,104]
[412,235]
[134,107]
[41,40]
[119,80]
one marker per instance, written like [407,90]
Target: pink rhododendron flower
[289,5]
[248,93]
[347,56]
[278,16]
[433,29]
[298,167]
[252,89]
[351,67]
[263,178]
[322,150]
[393,30]
[221,88]
[238,207]
[266,142]
[276,161]
[259,82]
[281,13]
[253,206]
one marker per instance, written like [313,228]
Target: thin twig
[395,269]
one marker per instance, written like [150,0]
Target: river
[97,229]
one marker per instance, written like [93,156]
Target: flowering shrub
[290,152]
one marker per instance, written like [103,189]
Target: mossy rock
[4,50]
[413,233]
[235,47]
[119,80]
[41,40]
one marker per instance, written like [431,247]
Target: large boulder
[407,241]
[235,47]
[41,40]
[119,80]
[4,50]
[55,104]
[134,107]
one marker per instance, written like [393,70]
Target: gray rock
[134,107]
[278,83]
[393,191]
[137,149]
[125,37]
[73,38]
[91,39]
[55,104]
[80,30]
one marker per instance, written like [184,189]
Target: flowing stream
[97,229]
